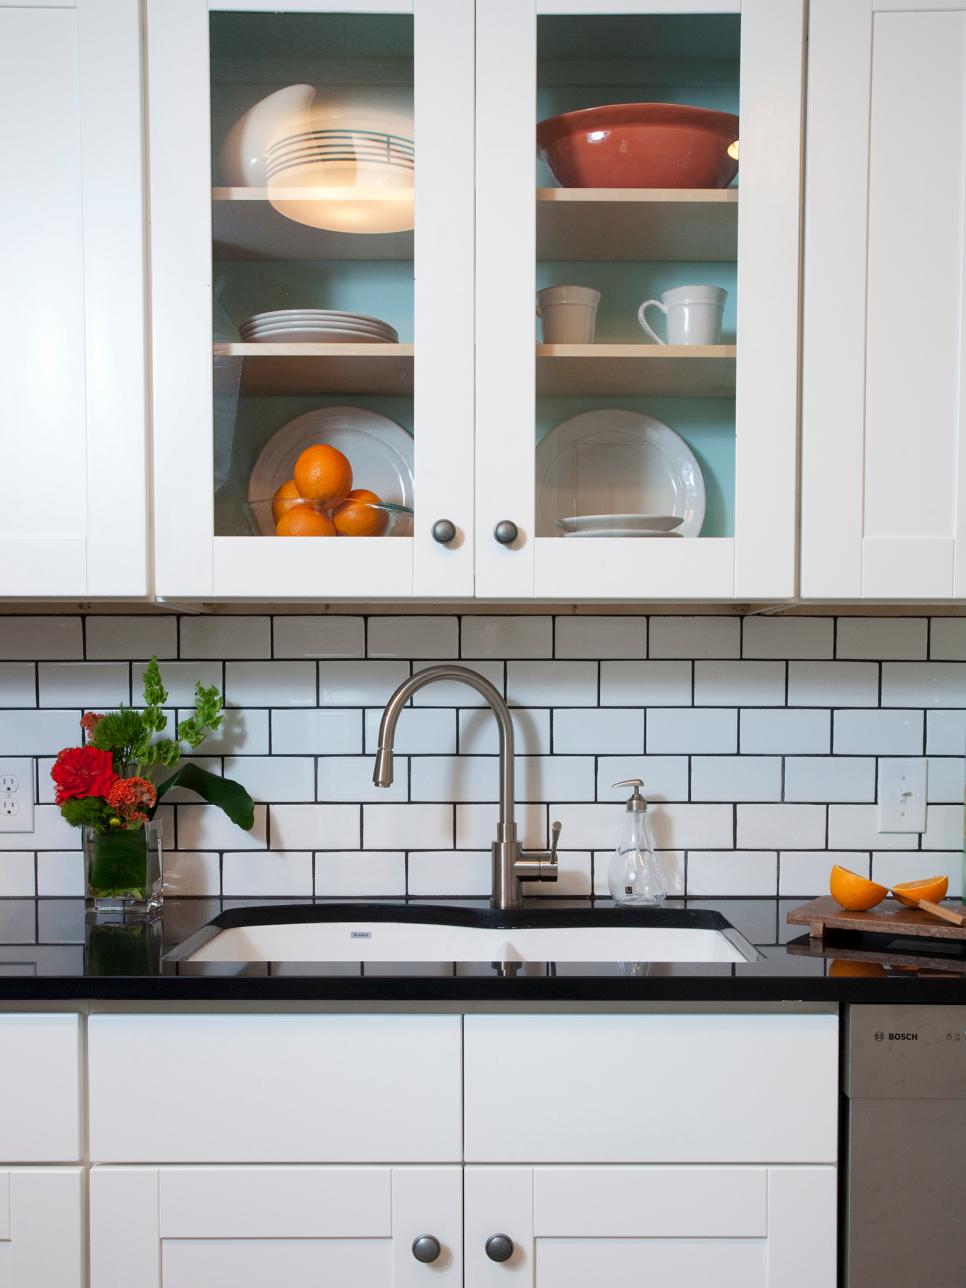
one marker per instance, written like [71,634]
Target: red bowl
[640,145]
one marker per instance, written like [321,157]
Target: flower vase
[124,869]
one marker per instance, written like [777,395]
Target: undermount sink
[383,933]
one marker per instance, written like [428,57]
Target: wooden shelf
[322,368]
[671,371]
[245,226]
[638,223]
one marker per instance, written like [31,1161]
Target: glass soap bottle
[634,877]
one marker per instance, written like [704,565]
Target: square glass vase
[123,870]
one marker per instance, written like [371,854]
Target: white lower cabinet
[42,1227]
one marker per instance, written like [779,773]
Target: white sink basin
[359,939]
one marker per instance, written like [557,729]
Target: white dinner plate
[620,532]
[616,462]
[316,335]
[379,451]
[288,315]
[625,522]
[321,326]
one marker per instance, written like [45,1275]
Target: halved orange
[932,888]
[841,968]
[853,892]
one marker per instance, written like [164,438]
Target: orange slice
[853,892]
[931,888]
[841,968]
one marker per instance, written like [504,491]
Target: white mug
[568,313]
[693,315]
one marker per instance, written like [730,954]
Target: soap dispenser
[634,877]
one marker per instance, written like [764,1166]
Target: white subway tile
[356,684]
[945,733]
[944,827]
[945,779]
[476,826]
[315,827]
[318,636]
[270,684]
[192,873]
[479,732]
[32,638]
[594,827]
[923,684]
[128,637]
[503,637]
[742,684]
[883,733]
[713,730]
[18,684]
[17,874]
[878,638]
[552,684]
[60,874]
[38,733]
[270,873]
[449,873]
[45,785]
[274,778]
[92,685]
[645,684]
[558,778]
[405,636]
[573,877]
[420,730]
[179,678]
[316,732]
[360,874]
[784,732]
[606,730]
[833,684]
[50,832]
[788,637]
[454,778]
[830,778]
[349,778]
[736,778]
[665,777]
[241,733]
[671,863]
[947,639]
[781,826]
[695,637]
[595,637]
[732,872]
[456,693]
[205,827]
[407,827]
[226,636]
[805,873]
[911,865]
[856,827]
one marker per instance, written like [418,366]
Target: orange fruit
[932,888]
[323,473]
[304,521]
[853,892]
[355,517]
[286,496]
[840,968]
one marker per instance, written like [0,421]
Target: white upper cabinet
[707,430]
[884,445]
[312,160]
[72,329]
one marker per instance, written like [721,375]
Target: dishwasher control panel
[906,1052]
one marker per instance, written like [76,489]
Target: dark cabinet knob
[506,532]
[426,1248]
[499,1247]
[444,530]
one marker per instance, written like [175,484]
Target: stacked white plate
[620,525]
[316,326]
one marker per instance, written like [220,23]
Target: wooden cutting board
[886,918]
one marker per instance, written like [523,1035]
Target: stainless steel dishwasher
[905,1183]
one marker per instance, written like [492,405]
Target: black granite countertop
[52,950]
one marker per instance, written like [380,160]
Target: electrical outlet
[16,795]
[902,794]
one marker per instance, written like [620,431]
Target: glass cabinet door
[312,275]
[637,153]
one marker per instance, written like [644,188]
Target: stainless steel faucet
[511,864]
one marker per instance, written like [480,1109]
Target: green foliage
[122,733]
[223,792]
[89,811]
[207,716]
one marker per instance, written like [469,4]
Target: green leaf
[223,792]
[155,694]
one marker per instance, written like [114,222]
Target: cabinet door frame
[191,562]
[42,1216]
[838,561]
[760,561]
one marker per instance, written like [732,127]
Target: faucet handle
[554,840]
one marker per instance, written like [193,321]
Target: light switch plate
[902,794]
[16,794]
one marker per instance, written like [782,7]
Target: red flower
[82,771]
[89,722]
[130,797]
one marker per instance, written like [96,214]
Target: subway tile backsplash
[759,741]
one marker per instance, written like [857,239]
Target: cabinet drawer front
[651,1088]
[629,1263]
[650,1202]
[39,1088]
[275,1088]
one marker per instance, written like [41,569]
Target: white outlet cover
[16,794]
[902,794]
